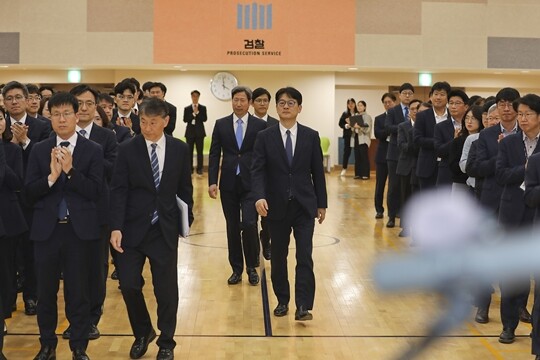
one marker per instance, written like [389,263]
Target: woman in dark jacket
[344,123]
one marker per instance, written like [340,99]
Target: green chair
[325,147]
[206,145]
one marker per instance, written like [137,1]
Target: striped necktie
[155,172]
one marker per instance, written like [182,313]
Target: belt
[64,220]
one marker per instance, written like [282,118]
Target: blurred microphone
[456,243]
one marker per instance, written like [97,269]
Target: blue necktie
[62,207]
[155,172]
[406,113]
[288,147]
[83,133]
[239,137]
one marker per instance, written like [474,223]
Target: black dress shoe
[267,253]
[140,345]
[507,336]
[537,357]
[165,354]
[524,315]
[79,354]
[30,307]
[114,275]
[253,277]
[379,215]
[391,223]
[281,310]
[67,333]
[302,314]
[482,316]
[46,352]
[234,279]
[94,333]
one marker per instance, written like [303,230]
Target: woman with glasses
[362,140]
[345,124]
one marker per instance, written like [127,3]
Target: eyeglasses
[469,118]
[407,93]
[88,103]
[65,115]
[289,103]
[16,98]
[125,97]
[456,103]
[504,104]
[261,101]
[526,115]
[34,98]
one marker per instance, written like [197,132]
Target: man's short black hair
[63,98]
[459,93]
[81,89]
[154,107]
[159,85]
[196,92]
[244,89]
[46,88]
[440,86]
[290,92]
[390,95]
[123,86]
[33,89]
[406,86]
[147,85]
[530,100]
[261,91]
[105,97]
[14,85]
[507,94]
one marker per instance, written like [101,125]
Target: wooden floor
[351,319]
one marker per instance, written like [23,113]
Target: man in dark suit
[2,233]
[446,131]
[33,103]
[123,115]
[424,132]
[151,171]
[122,133]
[63,181]
[394,117]
[99,255]
[195,116]
[234,137]
[260,103]
[290,188]
[408,155]
[27,131]
[381,166]
[159,90]
[514,150]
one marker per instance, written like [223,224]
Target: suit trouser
[394,184]
[361,161]
[381,173]
[25,258]
[99,268]
[346,151]
[405,193]
[198,143]
[163,265]
[8,290]
[302,225]
[241,218]
[63,250]
[514,296]
[264,235]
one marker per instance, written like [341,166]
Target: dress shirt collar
[88,129]
[293,130]
[72,140]
[160,143]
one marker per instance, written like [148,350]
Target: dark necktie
[239,138]
[83,133]
[62,207]
[288,147]
[406,113]
[123,120]
[155,172]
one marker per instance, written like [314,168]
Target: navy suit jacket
[270,121]
[408,150]
[224,145]
[195,130]
[37,130]
[274,180]
[134,196]
[487,147]
[10,210]
[510,173]
[2,175]
[81,191]
[135,121]
[122,133]
[394,117]
[532,184]
[381,134]
[442,139]
[424,132]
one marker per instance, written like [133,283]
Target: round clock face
[221,85]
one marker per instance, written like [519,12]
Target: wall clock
[221,85]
